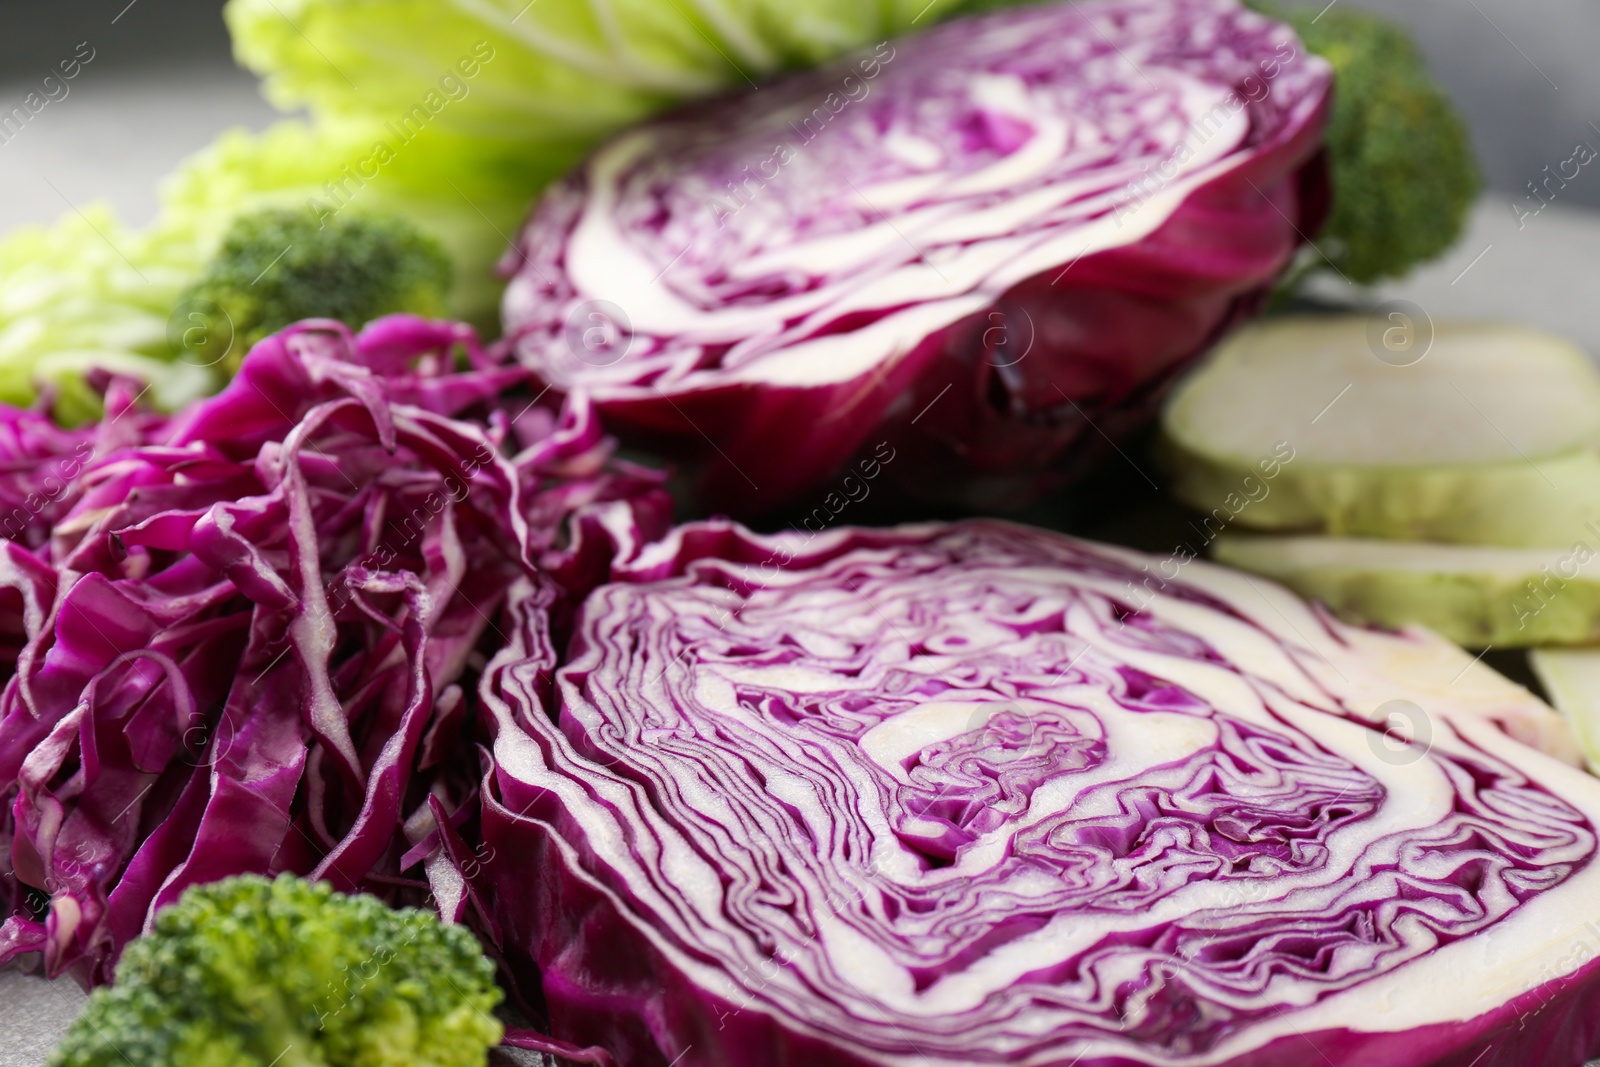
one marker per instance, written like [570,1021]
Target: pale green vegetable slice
[1487,435]
[1571,679]
[1474,595]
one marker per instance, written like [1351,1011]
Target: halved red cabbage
[252,637]
[980,243]
[978,794]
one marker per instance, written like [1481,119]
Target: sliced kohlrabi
[1384,425]
[1474,595]
[1571,680]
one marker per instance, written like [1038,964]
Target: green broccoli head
[1403,172]
[250,972]
[279,266]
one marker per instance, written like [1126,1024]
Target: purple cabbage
[40,462]
[252,638]
[40,468]
[991,245]
[979,794]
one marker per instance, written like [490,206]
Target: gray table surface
[1545,272]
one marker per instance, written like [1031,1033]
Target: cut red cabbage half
[251,638]
[981,244]
[979,794]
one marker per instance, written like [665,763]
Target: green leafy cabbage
[562,71]
[89,292]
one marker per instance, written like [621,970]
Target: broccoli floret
[1403,172]
[250,972]
[279,266]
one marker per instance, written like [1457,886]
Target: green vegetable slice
[1474,595]
[1571,680]
[1387,426]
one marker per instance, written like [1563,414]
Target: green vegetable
[1571,680]
[1468,433]
[559,73]
[467,193]
[89,292]
[248,972]
[1475,596]
[279,266]
[1403,172]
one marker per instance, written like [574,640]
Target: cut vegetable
[1486,434]
[1474,595]
[985,249]
[247,642]
[978,794]
[1571,679]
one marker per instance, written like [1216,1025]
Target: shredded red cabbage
[251,638]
